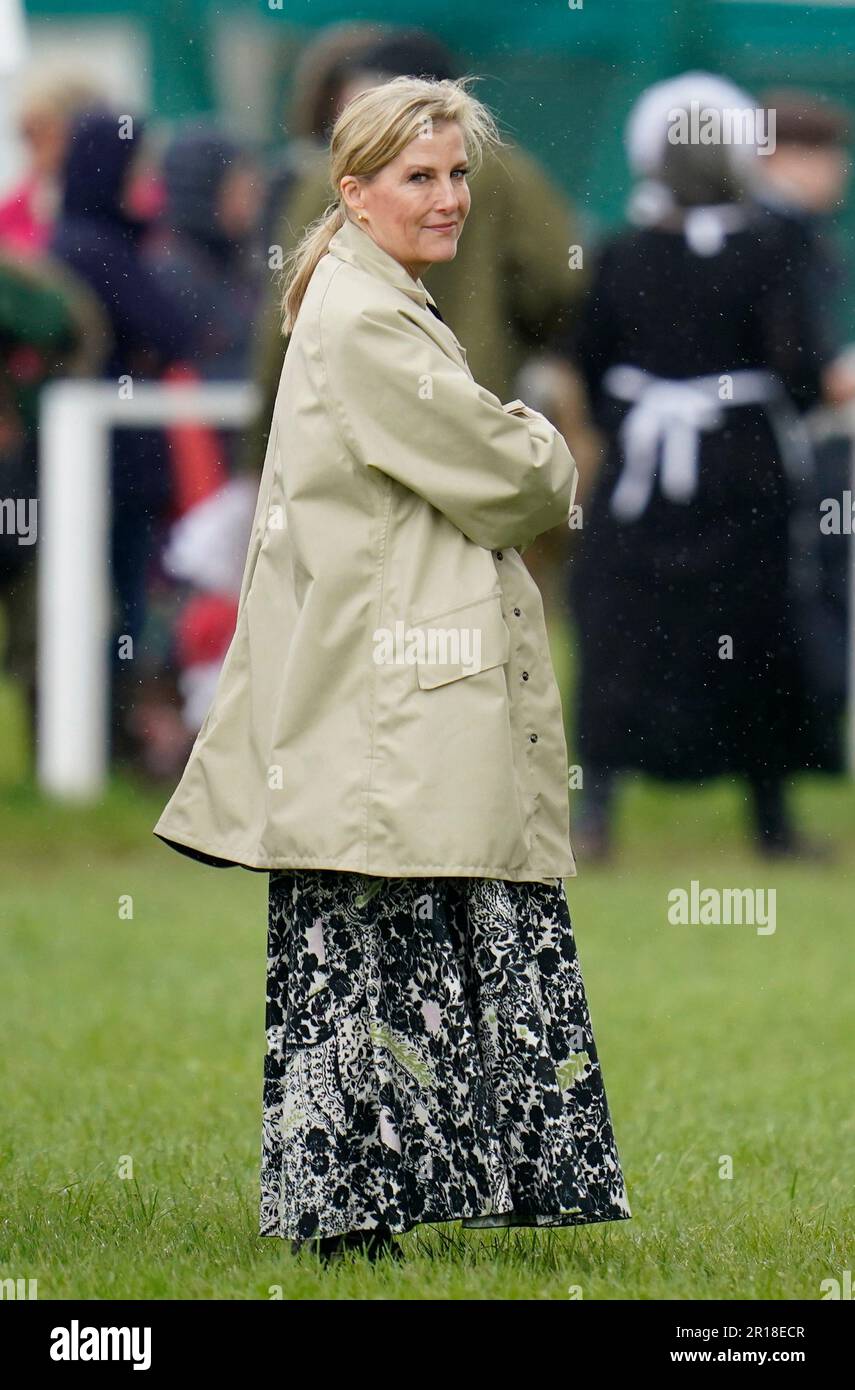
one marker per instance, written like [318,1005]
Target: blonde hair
[58,89]
[370,131]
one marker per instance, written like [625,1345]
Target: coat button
[516,612]
[525,675]
[533,738]
[499,555]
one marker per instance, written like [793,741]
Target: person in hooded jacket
[98,236]
[206,257]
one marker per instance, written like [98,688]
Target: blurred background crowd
[597,258]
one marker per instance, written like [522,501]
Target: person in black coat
[100,239]
[698,347]
[805,180]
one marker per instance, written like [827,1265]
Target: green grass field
[140,1041]
[134,1045]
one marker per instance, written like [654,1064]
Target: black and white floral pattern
[429,1058]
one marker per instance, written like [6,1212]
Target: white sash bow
[668,414]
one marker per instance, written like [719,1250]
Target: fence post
[73,591]
[75,585]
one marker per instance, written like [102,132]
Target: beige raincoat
[387,705]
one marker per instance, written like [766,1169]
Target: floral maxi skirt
[429,1058]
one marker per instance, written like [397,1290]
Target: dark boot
[592,830]
[775,833]
[374,1244]
[324,1247]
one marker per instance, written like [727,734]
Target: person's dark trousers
[597,806]
[770,812]
[771,816]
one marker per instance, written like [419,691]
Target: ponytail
[300,265]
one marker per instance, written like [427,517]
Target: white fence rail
[74,580]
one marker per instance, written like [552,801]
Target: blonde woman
[386,741]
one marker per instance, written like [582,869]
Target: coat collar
[350,243]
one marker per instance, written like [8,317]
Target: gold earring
[362,217]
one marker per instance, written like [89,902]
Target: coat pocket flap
[461,642]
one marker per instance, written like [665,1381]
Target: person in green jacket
[50,326]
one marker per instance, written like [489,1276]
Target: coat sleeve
[500,474]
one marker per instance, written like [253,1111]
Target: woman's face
[416,205]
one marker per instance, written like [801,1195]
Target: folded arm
[501,474]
